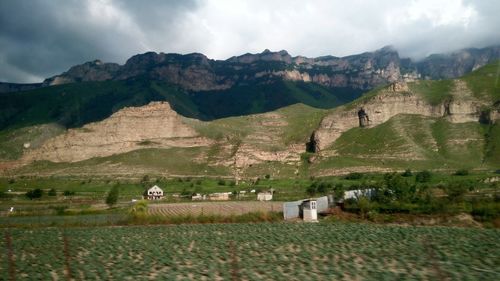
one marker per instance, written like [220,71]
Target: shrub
[423,176]
[112,197]
[461,172]
[52,192]
[221,182]
[354,176]
[268,176]
[34,193]
[456,191]
[68,193]
[407,173]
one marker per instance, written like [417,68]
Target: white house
[154,193]
[264,196]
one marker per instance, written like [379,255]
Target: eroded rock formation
[153,125]
[399,99]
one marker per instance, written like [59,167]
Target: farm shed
[292,210]
[355,194]
[265,196]
[154,193]
[219,196]
[309,210]
[198,196]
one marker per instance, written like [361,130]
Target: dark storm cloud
[41,38]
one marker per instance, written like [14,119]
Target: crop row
[279,251]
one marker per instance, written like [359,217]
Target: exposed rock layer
[399,99]
[154,125]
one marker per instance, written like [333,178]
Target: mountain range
[256,114]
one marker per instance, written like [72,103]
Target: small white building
[309,210]
[219,196]
[198,196]
[154,193]
[357,193]
[264,196]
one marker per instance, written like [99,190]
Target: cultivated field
[214,208]
[323,251]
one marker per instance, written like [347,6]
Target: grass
[171,161]
[485,82]
[433,91]
[414,141]
[253,252]
[12,141]
[492,146]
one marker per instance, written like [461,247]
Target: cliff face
[396,99]
[365,71]
[154,125]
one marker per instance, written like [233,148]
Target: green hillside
[417,142]
[76,104]
[404,141]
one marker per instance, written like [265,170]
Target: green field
[324,251]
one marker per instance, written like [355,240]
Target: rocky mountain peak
[362,72]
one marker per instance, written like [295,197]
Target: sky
[42,38]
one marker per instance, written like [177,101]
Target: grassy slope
[411,141]
[12,141]
[433,142]
[74,105]
[301,121]
[485,82]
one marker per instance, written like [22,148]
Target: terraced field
[323,251]
[214,208]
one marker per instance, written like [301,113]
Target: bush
[424,176]
[52,192]
[268,176]
[112,197]
[407,173]
[34,193]
[461,172]
[354,176]
[68,193]
[456,191]
[221,182]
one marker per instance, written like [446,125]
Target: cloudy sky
[41,38]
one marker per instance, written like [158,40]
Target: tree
[112,197]
[145,180]
[424,176]
[456,191]
[364,205]
[34,193]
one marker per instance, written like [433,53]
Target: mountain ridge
[372,68]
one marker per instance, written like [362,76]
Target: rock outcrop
[393,100]
[153,125]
